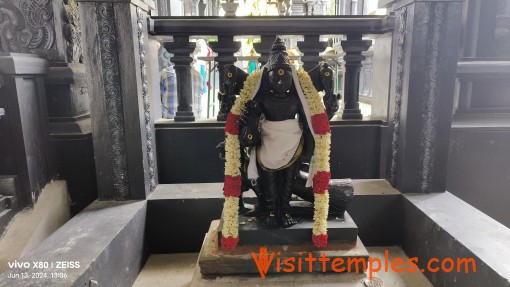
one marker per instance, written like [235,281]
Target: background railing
[334,60]
[355,29]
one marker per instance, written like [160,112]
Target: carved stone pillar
[181,47]
[424,65]
[115,33]
[58,40]
[26,158]
[353,47]
[264,47]
[225,48]
[311,47]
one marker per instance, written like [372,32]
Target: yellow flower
[320,214]
[233,158]
[232,155]
[321,153]
[230,217]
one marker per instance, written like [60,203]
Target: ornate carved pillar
[115,33]
[181,47]
[311,47]
[424,65]
[58,40]
[26,158]
[225,48]
[264,47]
[353,47]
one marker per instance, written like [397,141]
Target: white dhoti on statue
[280,141]
[252,167]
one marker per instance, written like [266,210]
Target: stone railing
[311,28]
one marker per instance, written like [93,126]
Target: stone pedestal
[215,261]
[252,232]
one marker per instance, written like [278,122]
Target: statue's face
[280,80]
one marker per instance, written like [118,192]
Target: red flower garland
[229,243]
[232,124]
[321,182]
[232,186]
[320,240]
[320,124]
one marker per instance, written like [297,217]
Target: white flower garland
[230,229]
[321,158]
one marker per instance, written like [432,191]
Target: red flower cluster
[320,124]
[229,243]
[232,186]
[232,125]
[319,240]
[321,182]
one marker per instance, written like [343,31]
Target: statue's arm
[249,129]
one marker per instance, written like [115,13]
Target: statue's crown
[278,57]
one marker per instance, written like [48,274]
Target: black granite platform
[376,209]
[214,261]
[251,231]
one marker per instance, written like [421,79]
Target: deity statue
[285,140]
[276,131]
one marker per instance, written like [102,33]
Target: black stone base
[215,261]
[376,209]
[252,232]
[181,116]
[352,114]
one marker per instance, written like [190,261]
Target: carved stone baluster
[311,47]
[264,47]
[353,47]
[181,47]
[225,48]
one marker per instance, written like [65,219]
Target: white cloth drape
[252,166]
